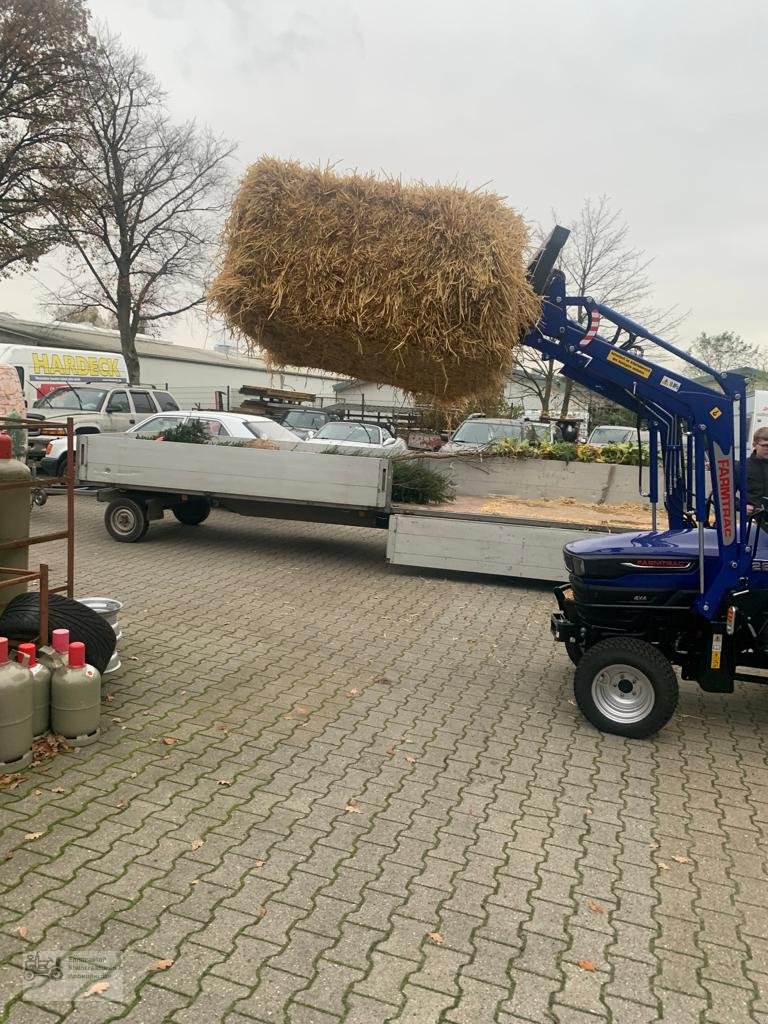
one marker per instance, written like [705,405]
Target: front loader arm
[697,425]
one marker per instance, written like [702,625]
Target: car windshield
[366,433]
[270,430]
[72,398]
[479,432]
[303,419]
[612,435]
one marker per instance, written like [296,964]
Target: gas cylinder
[14,516]
[55,656]
[16,709]
[76,698]
[41,687]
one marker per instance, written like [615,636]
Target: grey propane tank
[14,516]
[76,698]
[41,688]
[16,711]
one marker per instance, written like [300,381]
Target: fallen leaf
[301,711]
[409,759]
[197,843]
[116,720]
[31,836]
[38,792]
[353,809]
[262,911]
[9,855]
[587,965]
[169,741]
[223,782]
[182,692]
[161,965]
[595,907]
[109,697]
[682,860]
[195,881]
[663,866]
[97,988]
[221,728]
[353,692]
[259,863]
[132,657]
[390,750]
[23,932]
[59,789]
[12,781]
[120,803]
[436,937]
[288,718]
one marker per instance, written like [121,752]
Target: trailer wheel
[126,520]
[192,513]
[626,686]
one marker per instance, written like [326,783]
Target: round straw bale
[418,286]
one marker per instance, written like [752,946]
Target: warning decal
[627,363]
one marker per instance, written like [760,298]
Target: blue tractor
[691,592]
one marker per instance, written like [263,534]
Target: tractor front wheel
[626,686]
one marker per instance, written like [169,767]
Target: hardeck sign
[52,366]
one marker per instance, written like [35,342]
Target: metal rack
[41,575]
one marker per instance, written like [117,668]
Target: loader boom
[698,429]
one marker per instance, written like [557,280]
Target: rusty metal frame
[68,534]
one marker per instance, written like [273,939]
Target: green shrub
[416,484]
[192,432]
[625,454]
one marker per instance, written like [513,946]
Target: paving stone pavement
[381,805]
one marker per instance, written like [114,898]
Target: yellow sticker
[715,413]
[627,363]
[717,646]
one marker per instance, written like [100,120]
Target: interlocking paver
[490,815]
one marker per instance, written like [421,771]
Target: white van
[41,369]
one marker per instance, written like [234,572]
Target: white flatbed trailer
[141,479]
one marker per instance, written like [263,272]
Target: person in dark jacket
[757,471]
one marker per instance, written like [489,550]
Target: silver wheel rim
[623,693]
[123,521]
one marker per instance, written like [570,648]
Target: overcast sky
[660,104]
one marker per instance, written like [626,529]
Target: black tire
[194,512]
[21,621]
[626,686]
[575,652]
[126,520]
[61,466]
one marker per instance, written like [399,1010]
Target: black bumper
[563,629]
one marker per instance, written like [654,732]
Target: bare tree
[42,47]
[599,261]
[148,199]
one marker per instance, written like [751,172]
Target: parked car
[616,435]
[220,426]
[357,434]
[477,432]
[305,422]
[94,410]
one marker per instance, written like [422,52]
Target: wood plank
[469,545]
[287,474]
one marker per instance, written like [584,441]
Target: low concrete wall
[541,478]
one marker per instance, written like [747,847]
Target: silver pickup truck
[95,410]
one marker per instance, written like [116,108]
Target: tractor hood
[664,560]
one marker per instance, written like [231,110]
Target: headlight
[48,448]
[579,568]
